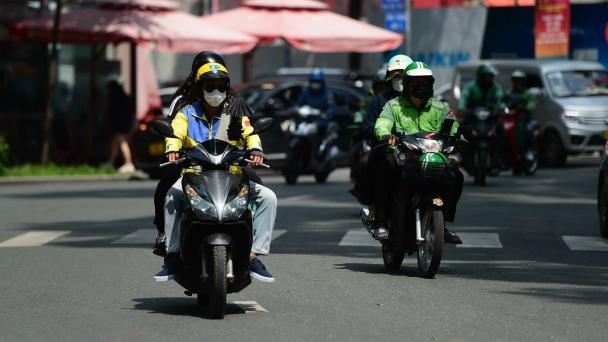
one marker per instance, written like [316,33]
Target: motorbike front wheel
[430,251]
[291,169]
[481,167]
[218,286]
[392,260]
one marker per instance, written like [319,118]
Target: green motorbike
[416,216]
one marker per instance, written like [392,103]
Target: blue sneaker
[166,273]
[259,272]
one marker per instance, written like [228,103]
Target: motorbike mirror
[446,127]
[163,128]
[262,125]
[463,130]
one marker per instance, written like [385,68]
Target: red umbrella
[156,28]
[307,25]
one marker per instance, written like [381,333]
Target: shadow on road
[179,307]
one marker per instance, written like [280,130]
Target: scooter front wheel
[431,250]
[218,285]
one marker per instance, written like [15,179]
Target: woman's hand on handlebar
[256,160]
[172,156]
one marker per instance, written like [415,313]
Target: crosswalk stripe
[141,236]
[358,237]
[479,240]
[277,233]
[585,243]
[250,306]
[34,238]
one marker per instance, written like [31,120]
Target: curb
[10,180]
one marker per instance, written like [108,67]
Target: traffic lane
[319,286]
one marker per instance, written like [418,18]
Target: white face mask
[214,98]
[397,84]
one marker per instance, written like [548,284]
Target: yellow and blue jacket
[191,127]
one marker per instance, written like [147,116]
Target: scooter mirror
[262,125]
[163,128]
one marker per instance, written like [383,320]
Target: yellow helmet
[212,70]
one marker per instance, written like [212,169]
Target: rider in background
[521,101]
[485,92]
[317,95]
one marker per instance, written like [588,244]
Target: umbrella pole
[93,101]
[247,57]
[48,120]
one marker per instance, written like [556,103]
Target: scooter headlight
[235,208]
[202,206]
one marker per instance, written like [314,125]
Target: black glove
[236,106]
[385,138]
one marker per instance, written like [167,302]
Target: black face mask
[422,91]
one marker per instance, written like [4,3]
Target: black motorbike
[216,226]
[311,149]
[479,159]
[415,218]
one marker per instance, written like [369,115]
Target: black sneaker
[166,273]
[449,237]
[159,245]
[259,272]
[379,231]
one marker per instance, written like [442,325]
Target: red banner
[552,28]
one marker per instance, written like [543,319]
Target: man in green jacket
[413,111]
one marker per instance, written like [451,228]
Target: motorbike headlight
[429,145]
[449,149]
[483,114]
[202,207]
[235,208]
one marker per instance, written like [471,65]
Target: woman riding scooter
[202,120]
[233,105]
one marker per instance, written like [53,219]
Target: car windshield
[578,83]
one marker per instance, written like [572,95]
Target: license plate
[156,149]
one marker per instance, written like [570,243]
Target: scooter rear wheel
[218,285]
[431,250]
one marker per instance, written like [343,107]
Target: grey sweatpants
[262,203]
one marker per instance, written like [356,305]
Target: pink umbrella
[159,29]
[306,25]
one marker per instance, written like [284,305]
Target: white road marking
[358,237]
[34,238]
[479,240]
[141,236]
[586,243]
[278,232]
[250,306]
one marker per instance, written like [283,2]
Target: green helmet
[417,69]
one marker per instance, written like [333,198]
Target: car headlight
[572,118]
[202,207]
[235,208]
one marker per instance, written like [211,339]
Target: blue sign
[395,15]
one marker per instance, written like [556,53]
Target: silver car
[572,101]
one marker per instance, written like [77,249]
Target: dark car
[276,97]
[148,147]
[602,190]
